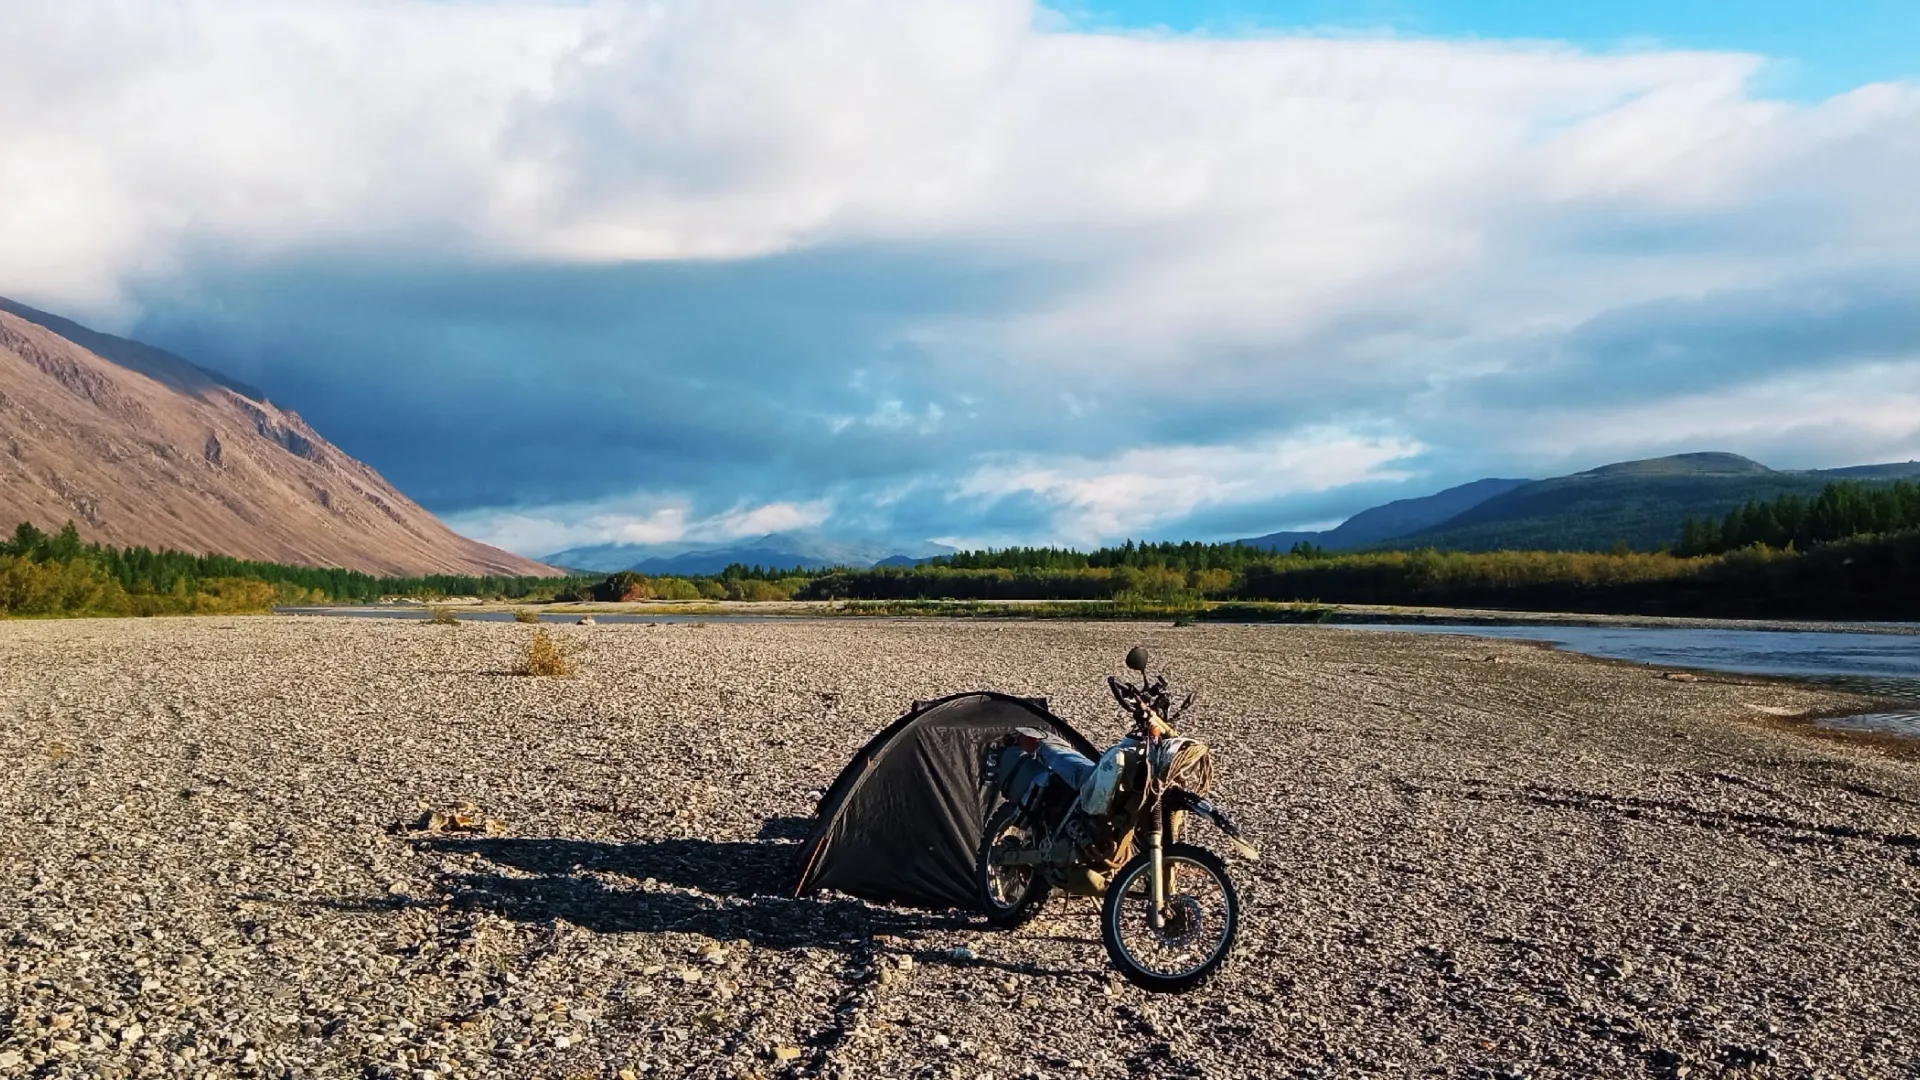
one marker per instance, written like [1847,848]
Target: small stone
[785,1053]
[132,1033]
[940,1040]
[963,954]
[9,1059]
[561,1042]
[627,1074]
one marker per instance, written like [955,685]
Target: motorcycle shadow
[726,890]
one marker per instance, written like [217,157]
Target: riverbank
[1358,614]
[1473,849]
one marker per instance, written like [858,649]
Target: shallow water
[1879,664]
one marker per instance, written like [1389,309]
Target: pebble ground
[1482,859]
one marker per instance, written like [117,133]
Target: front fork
[1156,833]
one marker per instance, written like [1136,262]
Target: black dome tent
[903,821]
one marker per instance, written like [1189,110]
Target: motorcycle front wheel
[1010,895]
[1197,929]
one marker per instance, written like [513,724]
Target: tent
[903,821]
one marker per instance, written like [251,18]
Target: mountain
[1640,503]
[774,550]
[1397,518]
[1898,470]
[140,447]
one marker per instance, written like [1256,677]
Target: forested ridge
[57,574]
[1841,510]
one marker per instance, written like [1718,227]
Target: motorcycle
[1114,829]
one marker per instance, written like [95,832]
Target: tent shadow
[725,890]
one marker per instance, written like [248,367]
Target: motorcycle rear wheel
[1009,895]
[1197,935]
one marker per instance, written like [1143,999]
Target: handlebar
[1148,705]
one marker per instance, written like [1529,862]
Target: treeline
[1841,510]
[1862,577]
[58,574]
[1185,556]
[734,583]
[1362,577]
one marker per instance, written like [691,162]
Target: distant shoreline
[1345,614]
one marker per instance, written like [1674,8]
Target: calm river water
[1882,664]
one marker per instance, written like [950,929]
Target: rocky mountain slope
[140,447]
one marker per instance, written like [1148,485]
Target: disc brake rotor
[1183,922]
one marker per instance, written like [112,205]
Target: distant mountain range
[1397,518]
[1642,504]
[139,447]
[782,550]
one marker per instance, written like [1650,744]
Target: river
[1877,663]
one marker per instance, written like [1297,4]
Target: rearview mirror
[1137,659]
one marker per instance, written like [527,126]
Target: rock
[9,1059]
[786,1053]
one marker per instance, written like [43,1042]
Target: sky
[980,271]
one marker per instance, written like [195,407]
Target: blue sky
[977,272]
[1816,49]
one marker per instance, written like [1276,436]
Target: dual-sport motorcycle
[1113,829]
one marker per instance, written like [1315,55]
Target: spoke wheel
[1198,924]
[1010,895]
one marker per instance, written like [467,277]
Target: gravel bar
[1482,859]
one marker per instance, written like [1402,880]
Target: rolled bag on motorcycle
[1042,775]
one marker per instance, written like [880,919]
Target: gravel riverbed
[1482,859]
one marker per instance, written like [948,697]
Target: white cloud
[1246,190]
[768,518]
[1133,492]
[1285,226]
[630,519]
[1867,412]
